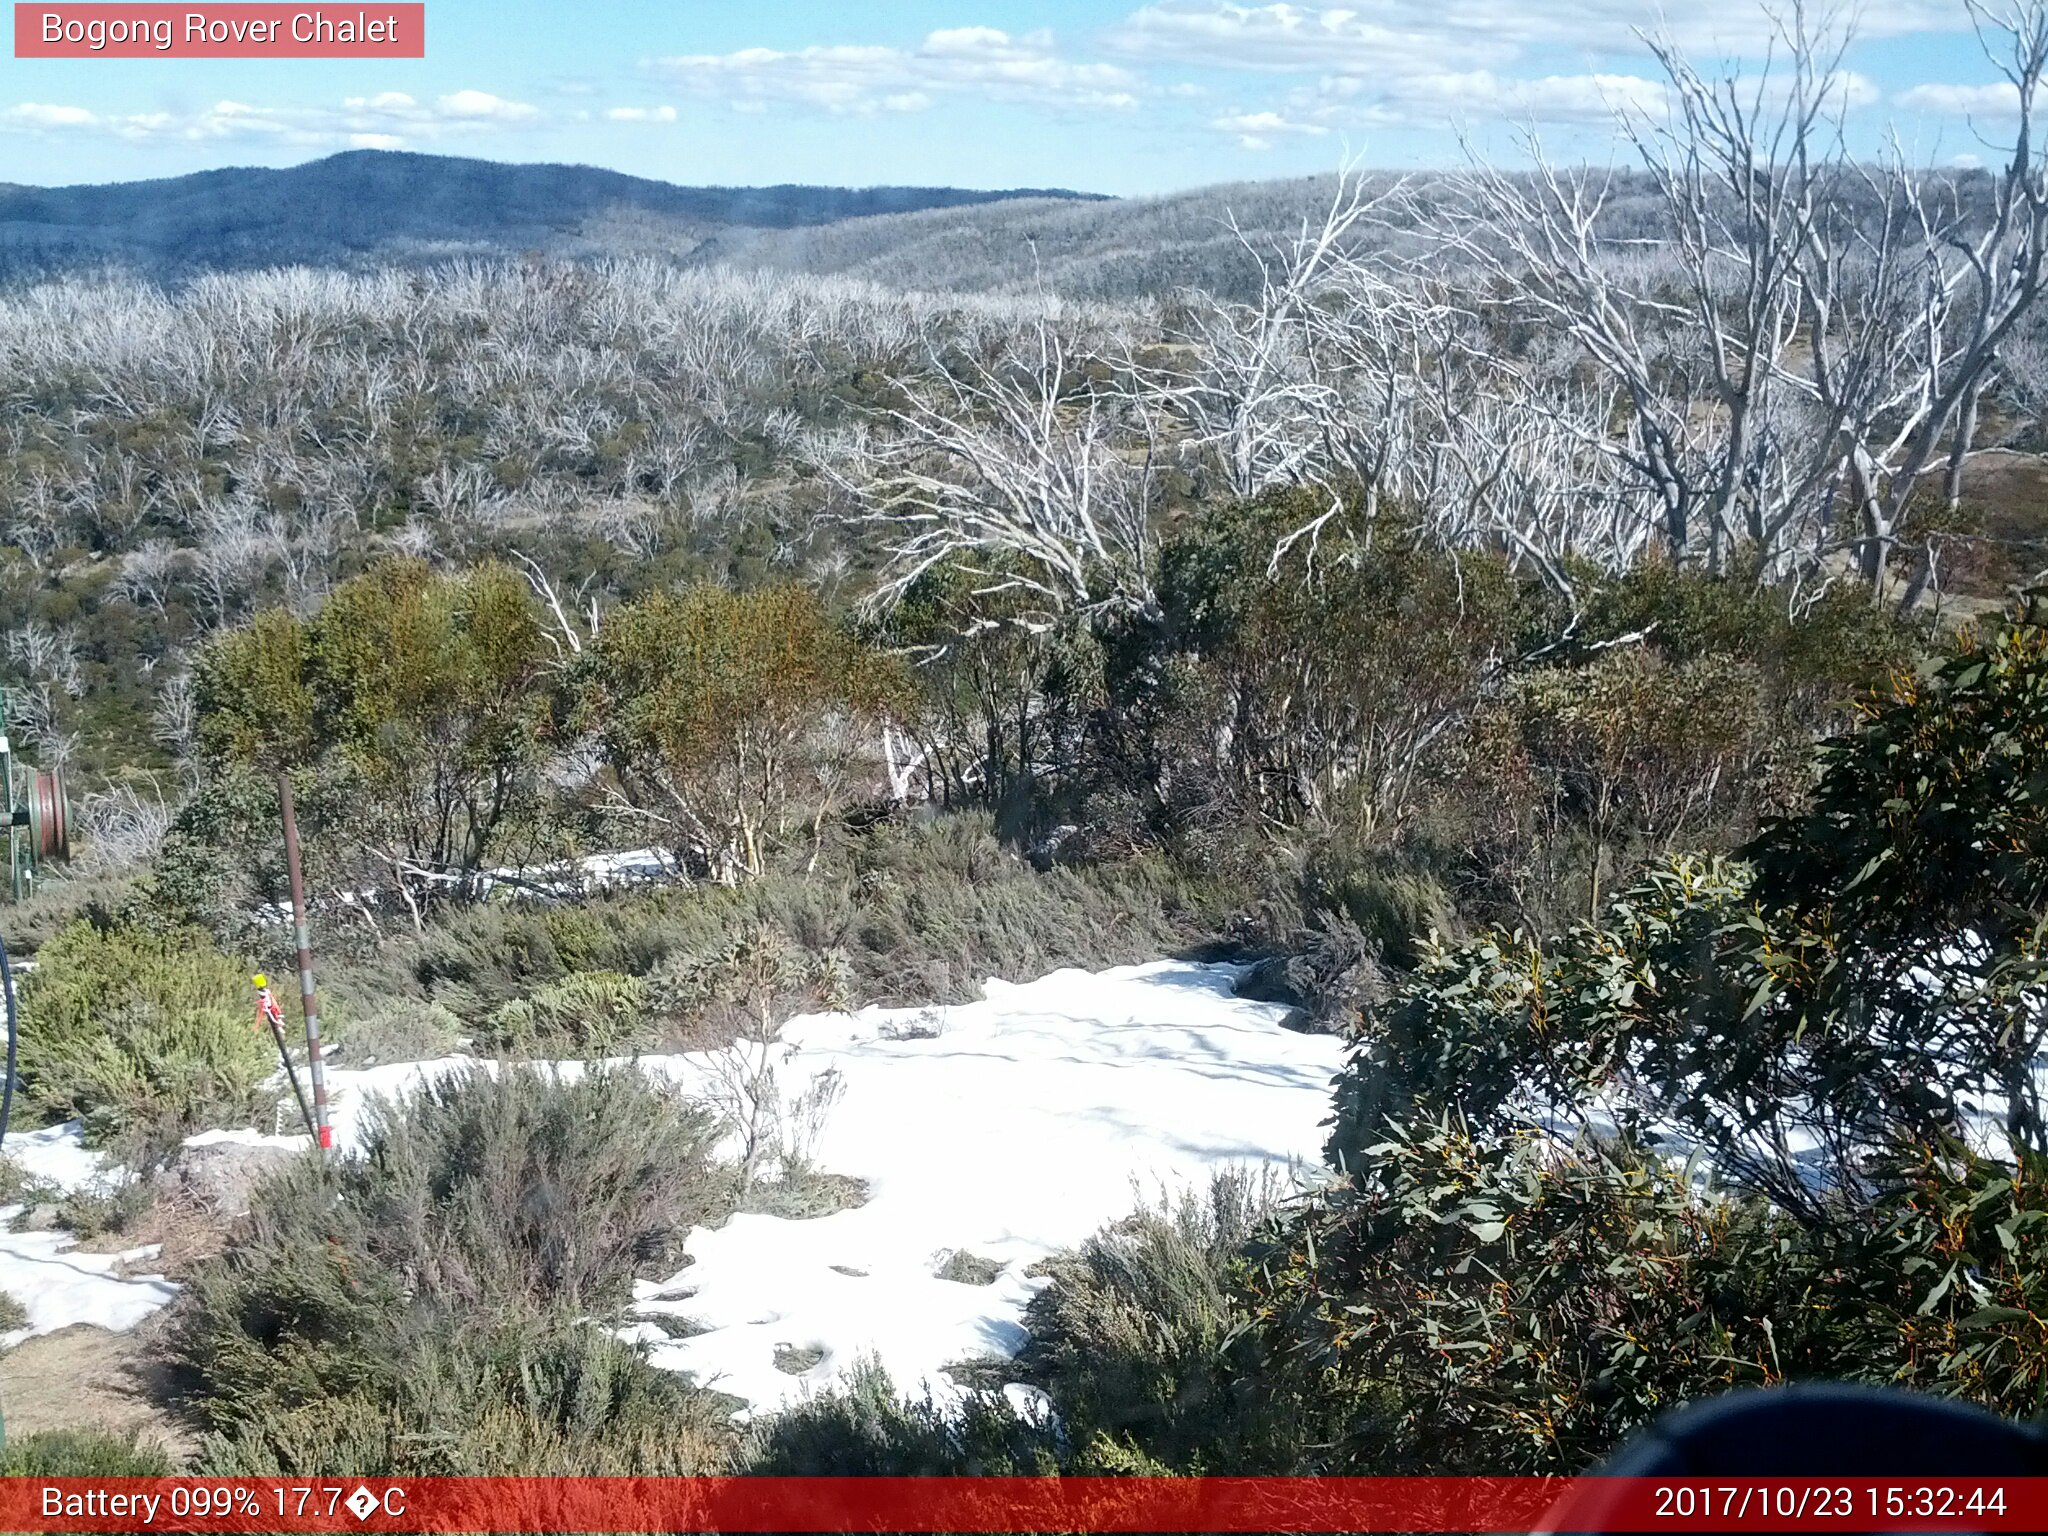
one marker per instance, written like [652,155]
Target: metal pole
[305,942]
[267,1013]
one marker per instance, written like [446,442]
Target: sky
[1095,95]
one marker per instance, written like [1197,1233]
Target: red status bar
[1022,1504]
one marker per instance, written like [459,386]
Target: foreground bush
[1129,1338]
[137,1028]
[861,1427]
[1498,1305]
[1826,1033]
[438,1304]
[505,1397]
[81,1453]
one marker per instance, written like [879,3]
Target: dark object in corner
[1823,1430]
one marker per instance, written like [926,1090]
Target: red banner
[1022,1504]
[117,31]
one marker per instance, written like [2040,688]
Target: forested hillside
[371,206]
[1573,643]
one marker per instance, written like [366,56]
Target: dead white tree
[567,636]
[1805,337]
[148,573]
[232,556]
[1314,381]
[1019,470]
[123,826]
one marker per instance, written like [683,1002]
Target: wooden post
[324,1131]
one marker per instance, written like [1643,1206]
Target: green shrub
[1337,662]
[19,1187]
[411,707]
[400,1030]
[61,900]
[104,1206]
[1496,1305]
[902,914]
[132,1028]
[860,1427]
[506,1396]
[437,1304]
[717,709]
[1921,865]
[1129,1338]
[587,1013]
[13,1314]
[81,1453]
[1945,1288]
[1819,1030]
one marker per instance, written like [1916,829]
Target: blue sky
[1099,95]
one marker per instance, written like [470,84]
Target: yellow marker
[260,979]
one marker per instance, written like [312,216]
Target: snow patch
[60,1286]
[56,1284]
[55,1155]
[1034,1117]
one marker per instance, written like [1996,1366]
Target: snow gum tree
[1844,1025]
[418,704]
[718,714]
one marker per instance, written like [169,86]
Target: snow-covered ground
[46,1273]
[1003,1129]
[1031,1119]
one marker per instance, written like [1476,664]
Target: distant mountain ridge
[367,206]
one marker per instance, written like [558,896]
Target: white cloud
[387,120]
[1568,98]
[1438,34]
[1296,38]
[1257,130]
[41,118]
[1429,63]
[860,79]
[642,114]
[1443,98]
[1265,122]
[964,42]
[475,105]
[1436,98]
[36,114]
[1995,101]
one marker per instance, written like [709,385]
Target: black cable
[13,1038]
[7,1087]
